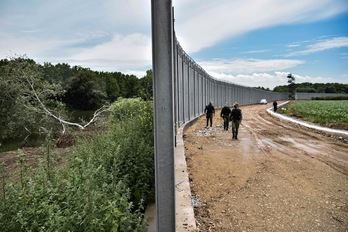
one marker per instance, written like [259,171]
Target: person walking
[236,118]
[225,114]
[275,106]
[209,113]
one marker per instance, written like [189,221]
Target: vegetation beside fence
[104,186]
[329,113]
[332,98]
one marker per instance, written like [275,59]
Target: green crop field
[327,113]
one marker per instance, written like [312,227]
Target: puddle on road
[268,143]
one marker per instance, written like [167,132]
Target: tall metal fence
[182,88]
[194,88]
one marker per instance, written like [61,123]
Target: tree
[132,86]
[112,87]
[84,93]
[146,89]
[20,112]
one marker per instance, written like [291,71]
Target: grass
[332,114]
[105,185]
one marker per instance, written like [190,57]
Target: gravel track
[277,177]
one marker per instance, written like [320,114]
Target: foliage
[58,86]
[84,92]
[307,87]
[331,98]
[132,121]
[262,88]
[20,113]
[146,92]
[327,113]
[104,188]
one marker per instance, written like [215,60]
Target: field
[333,114]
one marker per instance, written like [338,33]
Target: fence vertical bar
[162,55]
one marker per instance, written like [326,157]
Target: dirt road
[276,177]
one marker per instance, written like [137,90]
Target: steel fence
[182,88]
[194,88]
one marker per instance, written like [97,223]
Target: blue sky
[248,42]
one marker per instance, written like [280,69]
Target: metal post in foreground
[162,58]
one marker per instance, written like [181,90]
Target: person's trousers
[226,121]
[209,119]
[235,127]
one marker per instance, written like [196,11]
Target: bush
[330,98]
[105,186]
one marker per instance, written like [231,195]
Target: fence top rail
[192,63]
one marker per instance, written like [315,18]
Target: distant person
[225,114]
[209,112]
[275,106]
[236,118]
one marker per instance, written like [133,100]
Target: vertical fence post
[162,58]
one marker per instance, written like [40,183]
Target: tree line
[307,87]
[85,89]
[61,88]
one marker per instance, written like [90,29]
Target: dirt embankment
[276,177]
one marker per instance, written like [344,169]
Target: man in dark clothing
[236,118]
[275,106]
[225,114]
[209,112]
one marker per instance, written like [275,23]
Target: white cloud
[121,47]
[204,23]
[268,80]
[254,51]
[239,66]
[337,42]
[317,79]
[95,34]
[122,53]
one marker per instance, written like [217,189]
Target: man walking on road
[225,114]
[275,106]
[236,118]
[209,112]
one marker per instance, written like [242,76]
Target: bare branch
[62,121]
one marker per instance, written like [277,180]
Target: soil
[277,176]
[32,156]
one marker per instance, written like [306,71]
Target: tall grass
[105,186]
[327,113]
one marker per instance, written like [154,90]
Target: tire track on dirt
[276,177]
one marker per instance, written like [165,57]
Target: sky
[247,42]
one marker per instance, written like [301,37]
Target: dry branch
[62,121]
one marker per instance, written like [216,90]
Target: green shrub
[132,130]
[105,186]
[330,98]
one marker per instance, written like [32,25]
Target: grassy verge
[107,181]
[326,113]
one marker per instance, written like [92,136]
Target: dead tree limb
[62,121]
